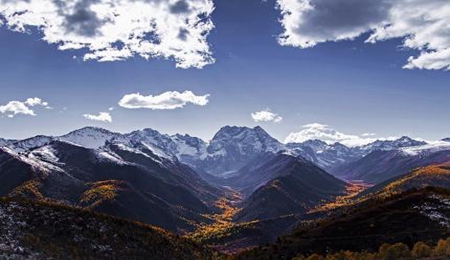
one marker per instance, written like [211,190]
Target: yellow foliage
[29,188]
[352,191]
[433,170]
[222,221]
[101,192]
[420,250]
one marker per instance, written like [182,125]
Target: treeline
[389,252]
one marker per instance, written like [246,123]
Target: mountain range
[243,186]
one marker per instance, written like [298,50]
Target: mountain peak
[446,139]
[227,131]
[404,139]
[150,131]
[91,130]
[89,137]
[244,134]
[258,128]
[315,142]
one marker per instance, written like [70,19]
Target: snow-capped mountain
[89,137]
[189,149]
[30,143]
[245,140]
[230,149]
[330,156]
[446,139]
[138,177]
[387,145]
[233,147]
[430,148]
[323,154]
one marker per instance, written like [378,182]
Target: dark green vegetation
[408,218]
[420,250]
[37,230]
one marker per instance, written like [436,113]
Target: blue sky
[352,86]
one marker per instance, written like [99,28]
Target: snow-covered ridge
[30,143]
[89,137]
[427,149]
[4,142]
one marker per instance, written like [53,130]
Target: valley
[354,189]
[227,207]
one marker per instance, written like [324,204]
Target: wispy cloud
[328,134]
[112,30]
[266,116]
[101,117]
[423,24]
[165,101]
[13,108]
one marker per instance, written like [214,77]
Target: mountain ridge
[224,153]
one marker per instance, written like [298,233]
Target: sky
[343,70]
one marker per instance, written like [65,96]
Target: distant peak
[91,129]
[315,141]
[258,128]
[227,131]
[446,139]
[405,138]
[233,131]
[151,131]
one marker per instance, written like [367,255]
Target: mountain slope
[429,176]
[32,230]
[105,182]
[409,217]
[380,166]
[285,185]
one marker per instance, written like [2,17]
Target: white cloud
[111,30]
[35,102]
[166,100]
[101,117]
[266,116]
[14,108]
[422,23]
[327,134]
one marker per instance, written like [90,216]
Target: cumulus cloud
[266,116]
[101,117]
[36,102]
[422,23]
[14,107]
[111,30]
[327,134]
[165,101]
